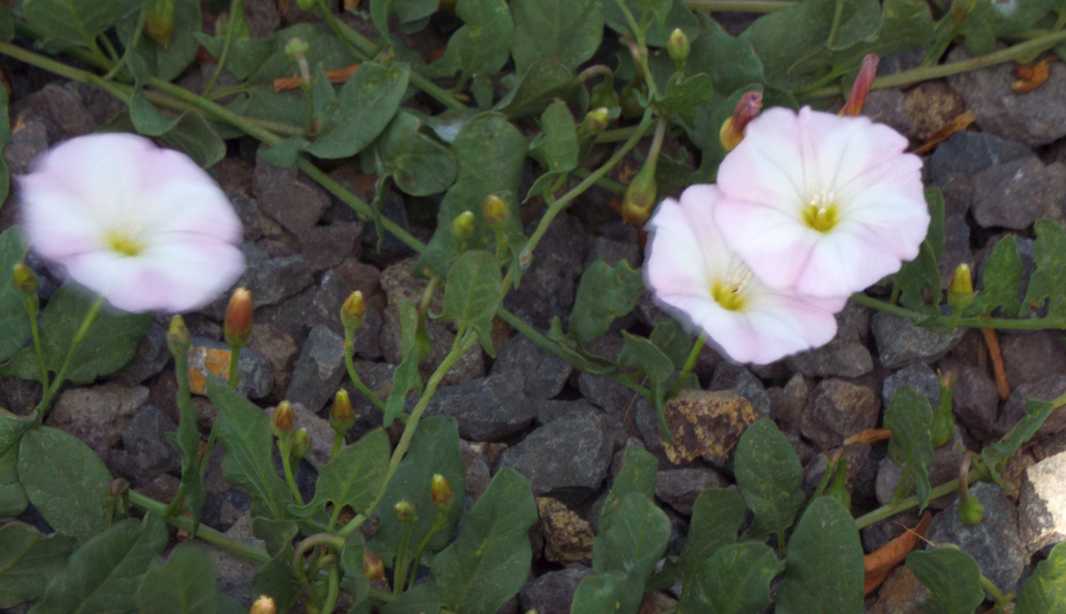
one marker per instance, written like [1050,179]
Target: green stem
[891,509]
[32,304]
[204,533]
[134,41]
[353,375]
[739,6]
[285,448]
[399,577]
[187,416]
[693,357]
[233,375]
[1002,600]
[838,12]
[439,522]
[61,376]
[332,591]
[235,7]
[955,321]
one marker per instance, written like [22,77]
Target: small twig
[998,369]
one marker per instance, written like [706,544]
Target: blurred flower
[821,205]
[695,276]
[145,227]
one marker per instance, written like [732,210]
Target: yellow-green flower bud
[263,605]
[301,443]
[960,292]
[441,491]
[159,21]
[596,120]
[971,511]
[237,326]
[463,226]
[352,311]
[296,48]
[678,47]
[341,415]
[284,418]
[494,210]
[24,279]
[373,567]
[405,511]
[178,340]
[639,199]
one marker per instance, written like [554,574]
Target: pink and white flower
[144,227]
[821,205]
[693,274]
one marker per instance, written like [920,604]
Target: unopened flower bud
[159,21]
[301,443]
[441,491]
[284,418]
[639,199]
[263,605]
[678,47]
[373,567]
[341,416]
[960,292]
[463,226]
[861,87]
[971,511]
[352,311]
[494,210]
[178,340]
[24,279]
[405,511]
[296,48]
[732,130]
[596,120]
[237,326]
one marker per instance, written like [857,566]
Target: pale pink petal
[675,261]
[844,263]
[774,245]
[767,166]
[201,209]
[55,223]
[841,150]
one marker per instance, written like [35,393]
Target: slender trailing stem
[185,413]
[739,6]
[955,321]
[891,509]
[439,522]
[33,304]
[134,41]
[399,577]
[353,375]
[838,12]
[693,357]
[285,448]
[332,591]
[61,376]
[235,6]
[233,375]
[203,532]
[1002,599]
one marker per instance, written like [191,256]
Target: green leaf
[735,580]
[602,592]
[434,449]
[150,59]
[987,22]
[538,86]
[277,579]
[717,516]
[603,294]
[490,559]
[324,47]
[104,573]
[277,535]
[354,581]
[365,105]
[419,164]
[354,476]
[637,476]
[185,584]
[245,432]
[245,54]
[730,61]
[568,32]
[952,577]
[769,476]
[921,276]
[685,94]
[5,122]
[13,499]
[640,353]
[73,22]
[14,322]
[824,572]
[472,293]
[65,480]
[422,599]
[407,377]
[482,45]
[672,340]
[285,153]
[1048,281]
[1045,590]
[147,119]
[996,455]
[661,17]
[198,139]
[1001,280]
[28,561]
[630,542]
[556,146]
[910,418]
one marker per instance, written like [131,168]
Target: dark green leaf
[631,541]
[735,580]
[1048,281]
[730,61]
[185,584]
[717,516]
[557,145]
[989,21]
[354,476]
[472,293]
[1001,281]
[602,592]
[199,139]
[104,573]
[920,278]
[285,153]
[355,581]
[825,569]
[539,85]
[952,577]
[28,561]
[277,579]
[568,32]
[997,454]
[244,431]
[407,377]
[637,476]
[769,476]
[7,24]
[65,480]
[14,322]
[71,22]
[422,599]
[481,46]
[5,126]
[910,418]
[365,105]
[245,54]
[662,16]
[684,94]
[640,353]
[13,499]
[419,164]
[490,559]
[150,59]
[147,119]
[672,340]
[324,47]
[277,535]
[1045,590]
[603,294]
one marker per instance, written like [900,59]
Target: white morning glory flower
[821,205]
[144,227]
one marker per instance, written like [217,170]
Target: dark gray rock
[29,139]
[61,108]
[543,374]
[917,376]
[679,488]
[945,467]
[477,469]
[319,369]
[994,542]
[607,394]
[839,409]
[18,395]
[968,153]
[236,576]
[901,342]
[263,18]
[1016,194]
[325,305]
[613,251]
[838,358]
[1030,357]
[977,402]
[487,409]
[327,246]
[887,107]
[548,409]
[728,376]
[294,202]
[553,592]
[270,279]
[568,456]
[278,348]
[789,402]
[97,415]
[880,533]
[151,357]
[146,451]
[1046,389]
[549,286]
[1042,505]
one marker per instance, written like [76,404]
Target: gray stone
[236,576]
[1046,389]
[880,533]
[994,542]
[270,279]
[886,107]
[97,415]
[487,409]
[917,376]
[613,251]
[146,451]
[789,403]
[728,376]
[543,374]
[477,470]
[1016,194]
[327,246]
[1042,504]
[606,393]
[19,395]
[151,357]
[838,358]
[331,292]
[568,456]
[318,428]
[29,139]
[263,18]
[968,153]
[839,409]
[901,593]
[1035,118]
[945,467]
[901,342]
[62,109]
[553,592]
[679,488]
[291,200]
[256,379]
[1030,357]
[470,365]
[977,402]
[278,348]
[319,369]
[549,286]
[548,409]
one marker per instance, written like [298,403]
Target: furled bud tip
[296,49]
[494,210]
[341,416]
[732,131]
[352,311]
[678,47]
[263,605]
[159,21]
[373,567]
[597,119]
[284,418]
[861,87]
[301,443]
[238,324]
[24,279]
[178,339]
[639,199]
[441,491]
[960,292]
[971,511]
[405,510]
[463,226]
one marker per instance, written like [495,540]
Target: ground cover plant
[477,306]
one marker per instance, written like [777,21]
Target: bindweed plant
[783,216]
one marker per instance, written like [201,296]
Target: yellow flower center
[123,244]
[728,296]
[821,216]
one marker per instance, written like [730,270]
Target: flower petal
[767,167]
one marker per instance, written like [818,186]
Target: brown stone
[706,425]
[567,537]
[902,593]
[204,360]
